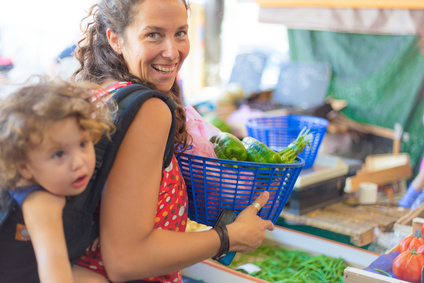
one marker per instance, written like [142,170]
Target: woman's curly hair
[99,62]
[33,108]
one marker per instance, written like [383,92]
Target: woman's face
[156,44]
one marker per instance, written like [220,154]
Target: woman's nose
[170,50]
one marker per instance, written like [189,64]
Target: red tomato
[410,242]
[422,227]
[408,266]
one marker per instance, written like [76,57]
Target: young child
[47,131]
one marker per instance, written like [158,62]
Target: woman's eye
[153,35]
[181,34]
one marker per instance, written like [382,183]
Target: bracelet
[225,241]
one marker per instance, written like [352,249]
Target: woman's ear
[24,171]
[114,41]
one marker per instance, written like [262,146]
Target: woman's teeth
[164,69]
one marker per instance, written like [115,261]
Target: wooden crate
[212,272]
[356,275]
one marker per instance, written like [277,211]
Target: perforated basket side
[277,132]
[214,184]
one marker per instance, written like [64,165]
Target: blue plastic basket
[214,184]
[277,132]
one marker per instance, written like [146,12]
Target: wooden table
[356,221]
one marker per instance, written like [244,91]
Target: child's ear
[24,171]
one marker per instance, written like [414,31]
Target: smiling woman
[143,210]
[154,47]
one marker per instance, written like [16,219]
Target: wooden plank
[355,275]
[386,209]
[382,177]
[383,218]
[411,214]
[361,233]
[380,4]
[357,222]
[417,223]
[379,162]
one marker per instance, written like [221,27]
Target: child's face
[64,161]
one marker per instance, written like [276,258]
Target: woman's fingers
[260,201]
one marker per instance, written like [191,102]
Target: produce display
[406,262]
[281,265]
[411,242]
[408,265]
[228,146]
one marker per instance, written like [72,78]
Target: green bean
[280,265]
[382,271]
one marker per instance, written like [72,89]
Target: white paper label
[249,268]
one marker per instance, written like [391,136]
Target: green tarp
[378,75]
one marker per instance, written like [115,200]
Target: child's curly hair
[34,108]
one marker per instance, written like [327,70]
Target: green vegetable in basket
[228,146]
[289,154]
[259,152]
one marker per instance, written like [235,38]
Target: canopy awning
[353,16]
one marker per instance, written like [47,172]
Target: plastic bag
[201,131]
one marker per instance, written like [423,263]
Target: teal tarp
[378,75]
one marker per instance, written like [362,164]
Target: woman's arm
[131,248]
[42,213]
[418,182]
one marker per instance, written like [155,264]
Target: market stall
[210,271]
[367,55]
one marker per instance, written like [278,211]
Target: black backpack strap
[17,258]
[129,95]
[129,100]
[5,205]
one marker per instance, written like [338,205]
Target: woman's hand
[247,232]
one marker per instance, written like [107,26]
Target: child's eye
[58,154]
[83,144]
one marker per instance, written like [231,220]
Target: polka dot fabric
[171,215]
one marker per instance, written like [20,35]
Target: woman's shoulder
[155,110]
